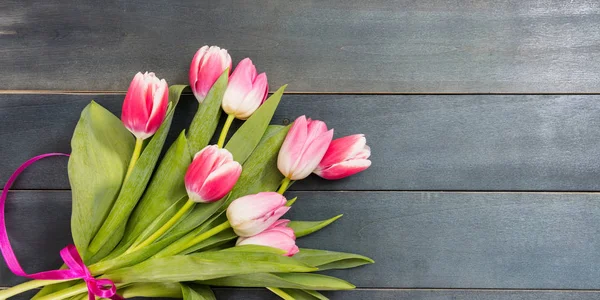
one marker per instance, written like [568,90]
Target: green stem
[26,286]
[285,183]
[200,238]
[134,157]
[70,292]
[225,130]
[280,293]
[185,208]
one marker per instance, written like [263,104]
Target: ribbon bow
[103,288]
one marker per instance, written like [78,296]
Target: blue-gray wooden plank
[418,239]
[427,46]
[426,142]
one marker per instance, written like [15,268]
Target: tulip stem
[285,183]
[228,122]
[207,234]
[26,286]
[72,291]
[134,157]
[184,209]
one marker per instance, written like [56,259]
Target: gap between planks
[381,191]
[84,92]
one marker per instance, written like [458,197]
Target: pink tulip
[208,64]
[303,148]
[277,236]
[246,91]
[346,156]
[252,214]
[211,175]
[145,105]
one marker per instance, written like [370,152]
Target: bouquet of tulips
[205,215]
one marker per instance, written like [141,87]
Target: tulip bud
[303,148]
[277,236]
[345,156]
[252,214]
[211,175]
[246,90]
[145,105]
[208,64]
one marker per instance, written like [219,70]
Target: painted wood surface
[472,195]
[424,142]
[463,240]
[428,46]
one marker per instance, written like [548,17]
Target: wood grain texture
[432,142]
[429,46]
[418,239]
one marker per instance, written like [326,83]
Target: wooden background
[483,118]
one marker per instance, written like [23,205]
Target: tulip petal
[344,169]
[195,67]
[273,239]
[312,156]
[211,68]
[159,107]
[220,181]
[343,149]
[291,149]
[143,111]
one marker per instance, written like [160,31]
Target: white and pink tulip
[206,67]
[211,175]
[246,90]
[345,156]
[277,236]
[145,105]
[252,214]
[303,148]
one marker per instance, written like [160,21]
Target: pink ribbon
[102,288]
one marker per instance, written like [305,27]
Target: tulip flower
[246,91]
[345,156]
[211,175]
[144,109]
[303,148]
[252,214]
[207,65]
[277,236]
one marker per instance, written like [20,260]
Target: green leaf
[326,260]
[283,295]
[303,228]
[156,289]
[130,259]
[207,117]
[260,172]
[303,294]
[256,248]
[205,266]
[245,139]
[196,217]
[215,240]
[179,246]
[113,228]
[197,292]
[157,204]
[101,150]
[161,220]
[308,281]
[294,294]
[49,289]
[316,294]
